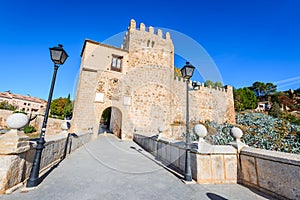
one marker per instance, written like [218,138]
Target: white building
[26,104]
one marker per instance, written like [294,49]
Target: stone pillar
[201,131]
[13,146]
[160,133]
[237,133]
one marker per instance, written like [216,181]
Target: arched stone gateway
[111,121]
[137,82]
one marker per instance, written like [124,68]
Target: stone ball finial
[200,130]
[236,133]
[17,121]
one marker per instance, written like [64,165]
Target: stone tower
[147,47]
[137,82]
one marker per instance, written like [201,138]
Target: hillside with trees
[284,105]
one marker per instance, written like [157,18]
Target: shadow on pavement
[169,168]
[67,150]
[213,196]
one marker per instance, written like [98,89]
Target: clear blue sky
[249,40]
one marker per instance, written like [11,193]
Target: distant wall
[53,125]
[3,116]
[271,172]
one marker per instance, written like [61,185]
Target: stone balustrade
[275,173]
[17,151]
[212,164]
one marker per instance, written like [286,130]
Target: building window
[116,63]
[25,104]
[28,104]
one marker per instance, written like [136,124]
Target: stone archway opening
[111,121]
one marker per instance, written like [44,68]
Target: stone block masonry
[53,125]
[216,167]
[271,172]
[274,173]
[137,81]
[15,167]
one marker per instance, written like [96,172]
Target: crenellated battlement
[143,37]
[143,89]
[202,87]
[142,27]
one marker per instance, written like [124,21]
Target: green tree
[263,89]
[270,88]
[275,110]
[209,83]
[218,84]
[244,99]
[6,106]
[258,88]
[61,107]
[106,115]
[68,108]
[213,84]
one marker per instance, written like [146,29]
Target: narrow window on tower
[116,63]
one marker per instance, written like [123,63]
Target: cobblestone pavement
[108,168]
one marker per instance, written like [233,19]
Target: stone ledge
[217,149]
[281,157]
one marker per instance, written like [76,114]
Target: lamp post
[58,56]
[187,72]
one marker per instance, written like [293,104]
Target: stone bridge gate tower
[137,82]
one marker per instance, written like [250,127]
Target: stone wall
[53,125]
[3,116]
[217,166]
[144,90]
[272,172]
[275,173]
[15,168]
[116,122]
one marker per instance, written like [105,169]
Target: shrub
[29,129]
[260,131]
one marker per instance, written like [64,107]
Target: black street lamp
[187,72]
[58,56]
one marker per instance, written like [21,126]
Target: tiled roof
[9,95]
